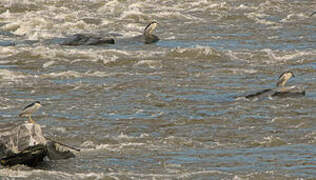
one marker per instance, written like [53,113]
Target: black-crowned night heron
[284,77]
[149,37]
[29,109]
[281,90]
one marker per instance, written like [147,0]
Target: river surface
[166,110]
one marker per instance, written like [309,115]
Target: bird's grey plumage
[30,109]
[150,27]
[149,37]
[284,77]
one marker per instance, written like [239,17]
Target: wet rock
[30,156]
[25,144]
[151,39]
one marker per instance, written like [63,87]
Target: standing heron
[281,89]
[149,37]
[29,109]
[284,77]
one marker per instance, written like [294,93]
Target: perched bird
[29,109]
[284,77]
[149,37]
[281,89]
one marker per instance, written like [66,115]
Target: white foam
[171,175]
[56,174]
[289,56]
[175,15]
[10,26]
[75,74]
[111,7]
[6,52]
[63,175]
[46,23]
[6,14]
[88,144]
[153,64]
[202,52]
[241,70]
[133,12]
[259,18]
[109,60]
[294,17]
[6,75]
[47,64]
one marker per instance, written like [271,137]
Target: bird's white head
[38,104]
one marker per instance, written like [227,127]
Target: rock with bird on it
[24,143]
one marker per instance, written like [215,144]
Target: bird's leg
[31,120]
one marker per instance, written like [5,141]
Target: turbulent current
[166,110]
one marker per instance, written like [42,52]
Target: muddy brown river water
[166,110]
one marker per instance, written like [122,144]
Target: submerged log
[25,144]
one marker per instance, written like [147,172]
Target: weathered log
[281,92]
[25,144]
[263,93]
[289,91]
[81,39]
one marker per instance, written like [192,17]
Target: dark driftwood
[281,92]
[265,92]
[83,39]
[289,91]
[30,156]
[25,144]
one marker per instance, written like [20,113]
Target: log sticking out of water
[83,39]
[266,92]
[25,144]
[281,92]
[289,91]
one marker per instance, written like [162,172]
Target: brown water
[164,110]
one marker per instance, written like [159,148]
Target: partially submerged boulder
[30,156]
[25,144]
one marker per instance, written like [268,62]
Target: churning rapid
[167,109]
